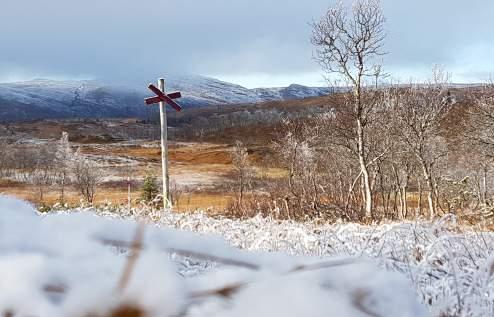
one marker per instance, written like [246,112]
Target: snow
[96,99]
[71,263]
[291,92]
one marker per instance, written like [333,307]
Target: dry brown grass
[191,153]
[52,195]
[202,170]
[200,154]
[189,201]
[204,201]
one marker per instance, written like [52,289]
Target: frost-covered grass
[451,267]
[75,263]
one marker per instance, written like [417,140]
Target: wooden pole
[129,198]
[164,149]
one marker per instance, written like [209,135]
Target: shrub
[150,188]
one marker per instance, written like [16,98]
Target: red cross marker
[161,97]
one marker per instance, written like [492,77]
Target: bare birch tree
[482,116]
[348,43]
[43,172]
[63,158]
[420,111]
[480,137]
[5,159]
[242,168]
[87,176]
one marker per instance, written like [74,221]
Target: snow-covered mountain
[64,99]
[293,91]
[44,98]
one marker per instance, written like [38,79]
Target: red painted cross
[161,97]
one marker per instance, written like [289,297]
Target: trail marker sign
[163,98]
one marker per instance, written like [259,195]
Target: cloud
[132,41]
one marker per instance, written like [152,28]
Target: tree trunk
[420,200]
[350,192]
[404,200]
[388,201]
[398,188]
[241,190]
[395,203]
[40,188]
[287,208]
[430,188]
[62,194]
[484,183]
[383,198]
[292,171]
[365,171]
[430,198]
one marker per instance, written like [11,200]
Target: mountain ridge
[53,99]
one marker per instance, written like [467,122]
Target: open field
[200,171]
[297,166]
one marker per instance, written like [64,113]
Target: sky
[254,43]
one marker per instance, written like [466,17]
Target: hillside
[48,99]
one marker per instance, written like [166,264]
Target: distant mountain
[40,99]
[46,99]
[291,92]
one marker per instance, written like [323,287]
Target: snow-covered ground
[75,263]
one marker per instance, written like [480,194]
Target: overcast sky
[254,43]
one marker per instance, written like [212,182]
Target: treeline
[422,159]
[385,150]
[198,127]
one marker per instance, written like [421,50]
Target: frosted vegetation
[89,262]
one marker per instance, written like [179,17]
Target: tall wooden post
[129,198]
[164,148]
[163,98]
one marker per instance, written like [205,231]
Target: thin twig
[136,247]
[187,253]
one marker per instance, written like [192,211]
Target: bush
[150,188]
